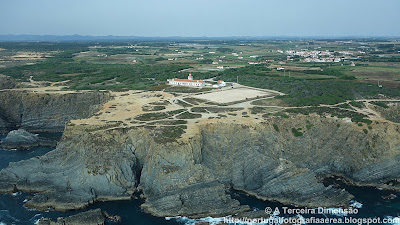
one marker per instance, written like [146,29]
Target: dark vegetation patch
[148,108]
[296,132]
[164,134]
[183,104]
[344,106]
[269,102]
[256,109]
[194,101]
[359,105]
[158,115]
[276,127]
[161,102]
[222,116]
[338,112]
[168,122]
[182,89]
[188,115]
[381,104]
[214,109]
[281,114]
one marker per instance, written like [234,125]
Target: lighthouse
[190,76]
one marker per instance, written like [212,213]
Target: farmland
[120,66]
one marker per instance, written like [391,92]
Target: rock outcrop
[21,139]
[190,177]
[91,217]
[7,82]
[37,112]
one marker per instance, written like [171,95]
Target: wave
[188,221]
[355,204]
[16,193]
[394,220]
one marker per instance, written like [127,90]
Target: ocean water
[369,201]
[12,210]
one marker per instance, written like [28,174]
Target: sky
[198,18]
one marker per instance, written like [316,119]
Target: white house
[219,84]
[186,82]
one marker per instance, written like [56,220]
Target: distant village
[320,56]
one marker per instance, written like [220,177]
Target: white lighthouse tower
[190,76]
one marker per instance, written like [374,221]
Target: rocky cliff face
[46,112]
[190,177]
[7,82]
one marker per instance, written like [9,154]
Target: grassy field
[147,66]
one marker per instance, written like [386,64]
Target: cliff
[46,111]
[7,82]
[186,167]
[190,177]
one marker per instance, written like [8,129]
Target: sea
[371,203]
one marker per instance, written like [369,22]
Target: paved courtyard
[234,94]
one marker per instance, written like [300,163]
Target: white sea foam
[336,211]
[37,221]
[36,218]
[355,204]
[187,221]
[16,193]
[393,220]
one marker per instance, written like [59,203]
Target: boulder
[20,139]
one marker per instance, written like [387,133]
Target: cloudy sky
[194,18]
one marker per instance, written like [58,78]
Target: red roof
[220,81]
[187,80]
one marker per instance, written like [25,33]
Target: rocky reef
[191,176]
[21,139]
[91,217]
[46,111]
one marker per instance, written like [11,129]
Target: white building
[186,82]
[219,84]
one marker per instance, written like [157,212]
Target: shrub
[296,133]
[276,127]
[283,115]
[381,104]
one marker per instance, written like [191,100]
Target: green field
[147,66]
